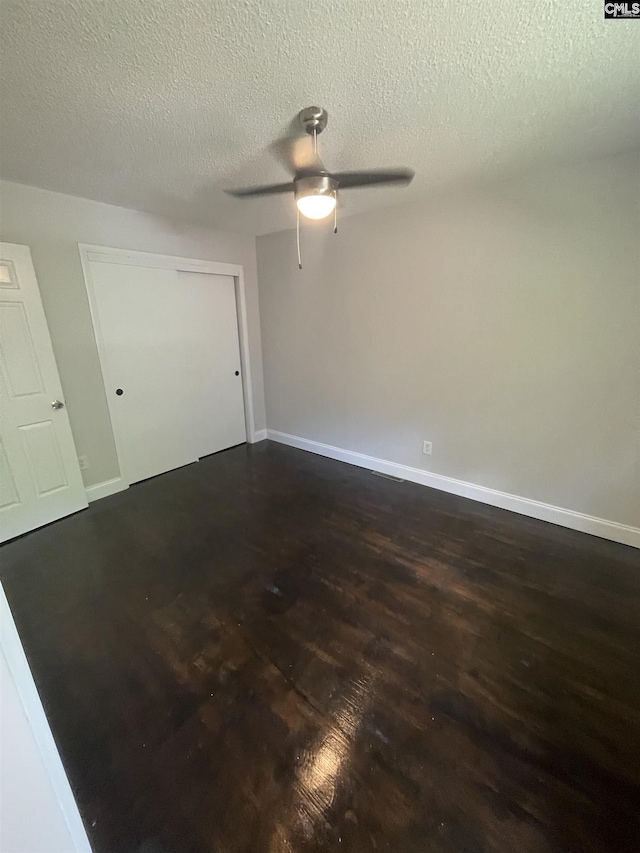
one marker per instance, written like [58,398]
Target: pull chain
[298,237]
[335,216]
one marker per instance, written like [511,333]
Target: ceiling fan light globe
[315,206]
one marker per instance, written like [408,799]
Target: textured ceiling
[160,104]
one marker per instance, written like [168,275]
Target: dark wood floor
[271,651]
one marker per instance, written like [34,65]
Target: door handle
[57,404]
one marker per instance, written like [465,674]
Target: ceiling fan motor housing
[315,185]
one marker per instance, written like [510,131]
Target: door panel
[169,342]
[144,327]
[19,363]
[8,491]
[39,471]
[41,450]
[217,398]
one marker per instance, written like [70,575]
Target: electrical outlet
[84,462]
[426,447]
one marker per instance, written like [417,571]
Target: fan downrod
[313,119]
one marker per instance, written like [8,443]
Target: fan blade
[348,180]
[271,189]
[298,155]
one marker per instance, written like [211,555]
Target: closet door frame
[127,257]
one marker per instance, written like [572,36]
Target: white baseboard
[103,490]
[260,435]
[524,506]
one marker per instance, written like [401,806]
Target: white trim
[25,685]
[524,506]
[261,435]
[103,490]
[105,254]
[133,258]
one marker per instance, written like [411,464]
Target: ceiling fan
[314,187]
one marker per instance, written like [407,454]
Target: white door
[171,361]
[216,391]
[40,478]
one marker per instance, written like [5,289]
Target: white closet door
[144,326]
[40,478]
[167,340]
[218,403]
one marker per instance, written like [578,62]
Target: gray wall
[499,322]
[53,224]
